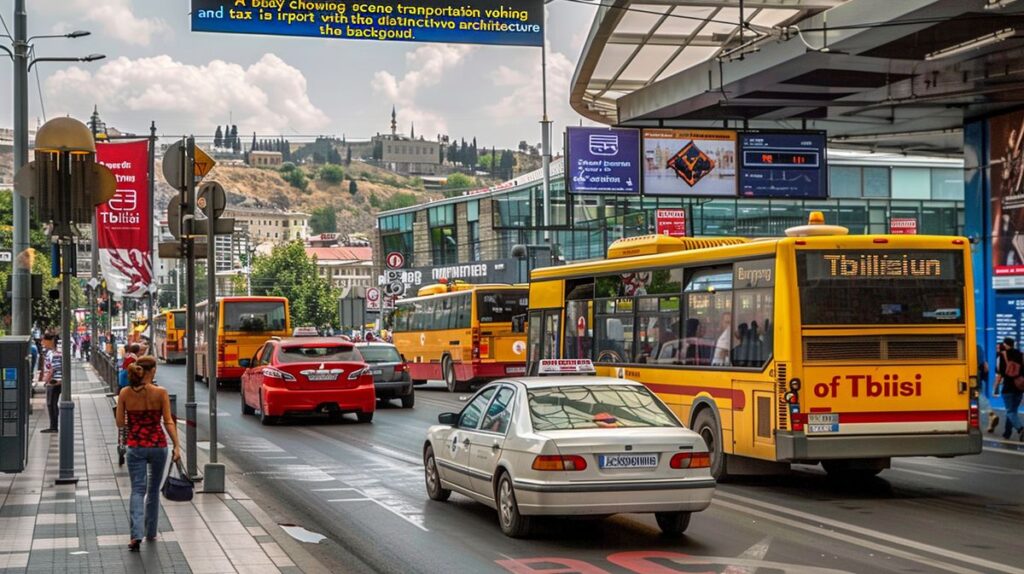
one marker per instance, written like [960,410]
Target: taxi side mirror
[450,419]
[244,363]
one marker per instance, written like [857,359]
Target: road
[361,485]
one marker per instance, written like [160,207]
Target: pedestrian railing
[106,368]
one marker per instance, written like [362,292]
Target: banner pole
[149,242]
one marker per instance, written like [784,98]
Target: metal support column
[21,320]
[66,422]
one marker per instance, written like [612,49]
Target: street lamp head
[93,57]
[65,134]
[78,34]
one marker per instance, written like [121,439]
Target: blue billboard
[783,164]
[510,23]
[603,160]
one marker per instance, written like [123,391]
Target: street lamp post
[21,308]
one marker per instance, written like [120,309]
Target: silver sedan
[569,446]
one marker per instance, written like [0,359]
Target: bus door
[544,329]
[753,418]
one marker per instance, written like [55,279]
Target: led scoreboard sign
[783,164]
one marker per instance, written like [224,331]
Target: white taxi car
[569,446]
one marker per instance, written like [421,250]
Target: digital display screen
[603,160]
[783,164]
[689,162]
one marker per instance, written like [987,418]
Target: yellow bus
[169,336]
[815,348]
[243,325]
[462,333]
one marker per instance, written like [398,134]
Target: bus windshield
[179,319]
[501,306]
[881,287]
[254,316]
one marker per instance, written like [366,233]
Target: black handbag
[178,488]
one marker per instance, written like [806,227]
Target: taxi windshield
[597,406]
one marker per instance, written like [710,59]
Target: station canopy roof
[893,75]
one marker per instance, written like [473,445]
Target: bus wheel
[707,427]
[448,372]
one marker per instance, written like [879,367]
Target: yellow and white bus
[819,347]
[169,336]
[462,333]
[243,325]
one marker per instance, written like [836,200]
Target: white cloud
[269,96]
[522,83]
[427,66]
[115,19]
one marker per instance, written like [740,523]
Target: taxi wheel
[265,419]
[246,409]
[706,426]
[448,372]
[512,523]
[409,401]
[672,523]
[434,489]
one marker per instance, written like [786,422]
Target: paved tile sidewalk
[84,528]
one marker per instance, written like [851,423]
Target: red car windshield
[323,354]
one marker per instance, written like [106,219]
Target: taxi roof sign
[566,367]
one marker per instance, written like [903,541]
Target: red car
[307,375]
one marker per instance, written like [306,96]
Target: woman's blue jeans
[146,468]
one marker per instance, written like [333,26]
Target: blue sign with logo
[603,160]
[509,23]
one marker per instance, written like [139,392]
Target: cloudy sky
[157,69]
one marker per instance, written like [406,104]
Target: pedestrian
[1011,375]
[141,406]
[87,346]
[993,418]
[53,375]
[131,354]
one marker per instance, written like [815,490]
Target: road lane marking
[332,489]
[922,473]
[964,466]
[813,518]
[853,540]
[349,500]
[278,457]
[1003,451]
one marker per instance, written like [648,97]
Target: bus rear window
[254,316]
[179,319]
[501,306]
[881,287]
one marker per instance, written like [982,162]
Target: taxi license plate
[376,371]
[515,370]
[322,377]
[822,423]
[627,461]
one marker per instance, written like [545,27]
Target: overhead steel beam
[773,4]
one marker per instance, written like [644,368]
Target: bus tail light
[476,343]
[485,348]
[221,355]
[798,420]
[684,460]
[555,462]
[973,415]
[272,373]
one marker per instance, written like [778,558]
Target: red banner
[671,222]
[123,224]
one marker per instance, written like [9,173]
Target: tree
[348,155]
[453,153]
[508,164]
[235,143]
[457,183]
[398,201]
[332,174]
[323,220]
[218,138]
[296,178]
[352,187]
[289,272]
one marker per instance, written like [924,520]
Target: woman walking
[140,408]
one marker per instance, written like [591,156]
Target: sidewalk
[84,527]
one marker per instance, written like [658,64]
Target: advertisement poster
[511,23]
[671,222]
[783,164]
[1009,312]
[1006,173]
[603,160]
[903,226]
[123,226]
[691,162]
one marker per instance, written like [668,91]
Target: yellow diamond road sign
[204,163]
